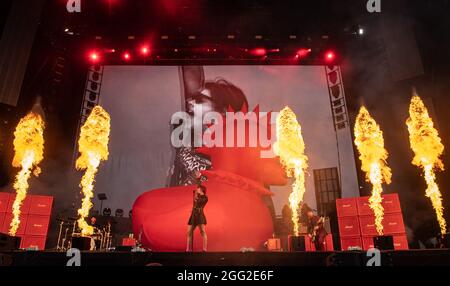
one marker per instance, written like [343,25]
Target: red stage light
[145,50]
[259,52]
[94,56]
[126,56]
[330,56]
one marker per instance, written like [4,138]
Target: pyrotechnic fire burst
[93,148]
[427,147]
[370,143]
[29,152]
[290,147]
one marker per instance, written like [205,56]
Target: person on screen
[197,217]
[211,95]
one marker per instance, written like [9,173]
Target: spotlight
[145,50]
[361,31]
[126,56]
[94,56]
[330,56]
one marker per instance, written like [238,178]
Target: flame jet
[93,148]
[427,147]
[370,143]
[290,147]
[29,152]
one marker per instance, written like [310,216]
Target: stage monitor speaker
[9,243]
[124,248]
[385,242]
[296,243]
[274,244]
[82,243]
[5,260]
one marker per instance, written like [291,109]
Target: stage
[438,257]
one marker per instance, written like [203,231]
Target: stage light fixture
[126,56]
[145,50]
[361,31]
[94,56]
[330,56]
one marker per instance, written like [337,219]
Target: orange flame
[93,148]
[427,147]
[29,152]
[291,149]
[370,143]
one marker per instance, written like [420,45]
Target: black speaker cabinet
[81,242]
[296,243]
[385,242]
[9,243]
[124,248]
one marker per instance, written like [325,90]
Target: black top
[197,215]
[201,201]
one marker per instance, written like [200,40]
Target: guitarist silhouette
[316,230]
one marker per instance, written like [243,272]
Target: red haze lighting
[302,53]
[259,52]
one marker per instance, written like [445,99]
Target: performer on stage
[316,230]
[197,218]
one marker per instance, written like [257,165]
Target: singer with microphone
[197,217]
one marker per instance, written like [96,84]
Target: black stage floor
[439,257]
